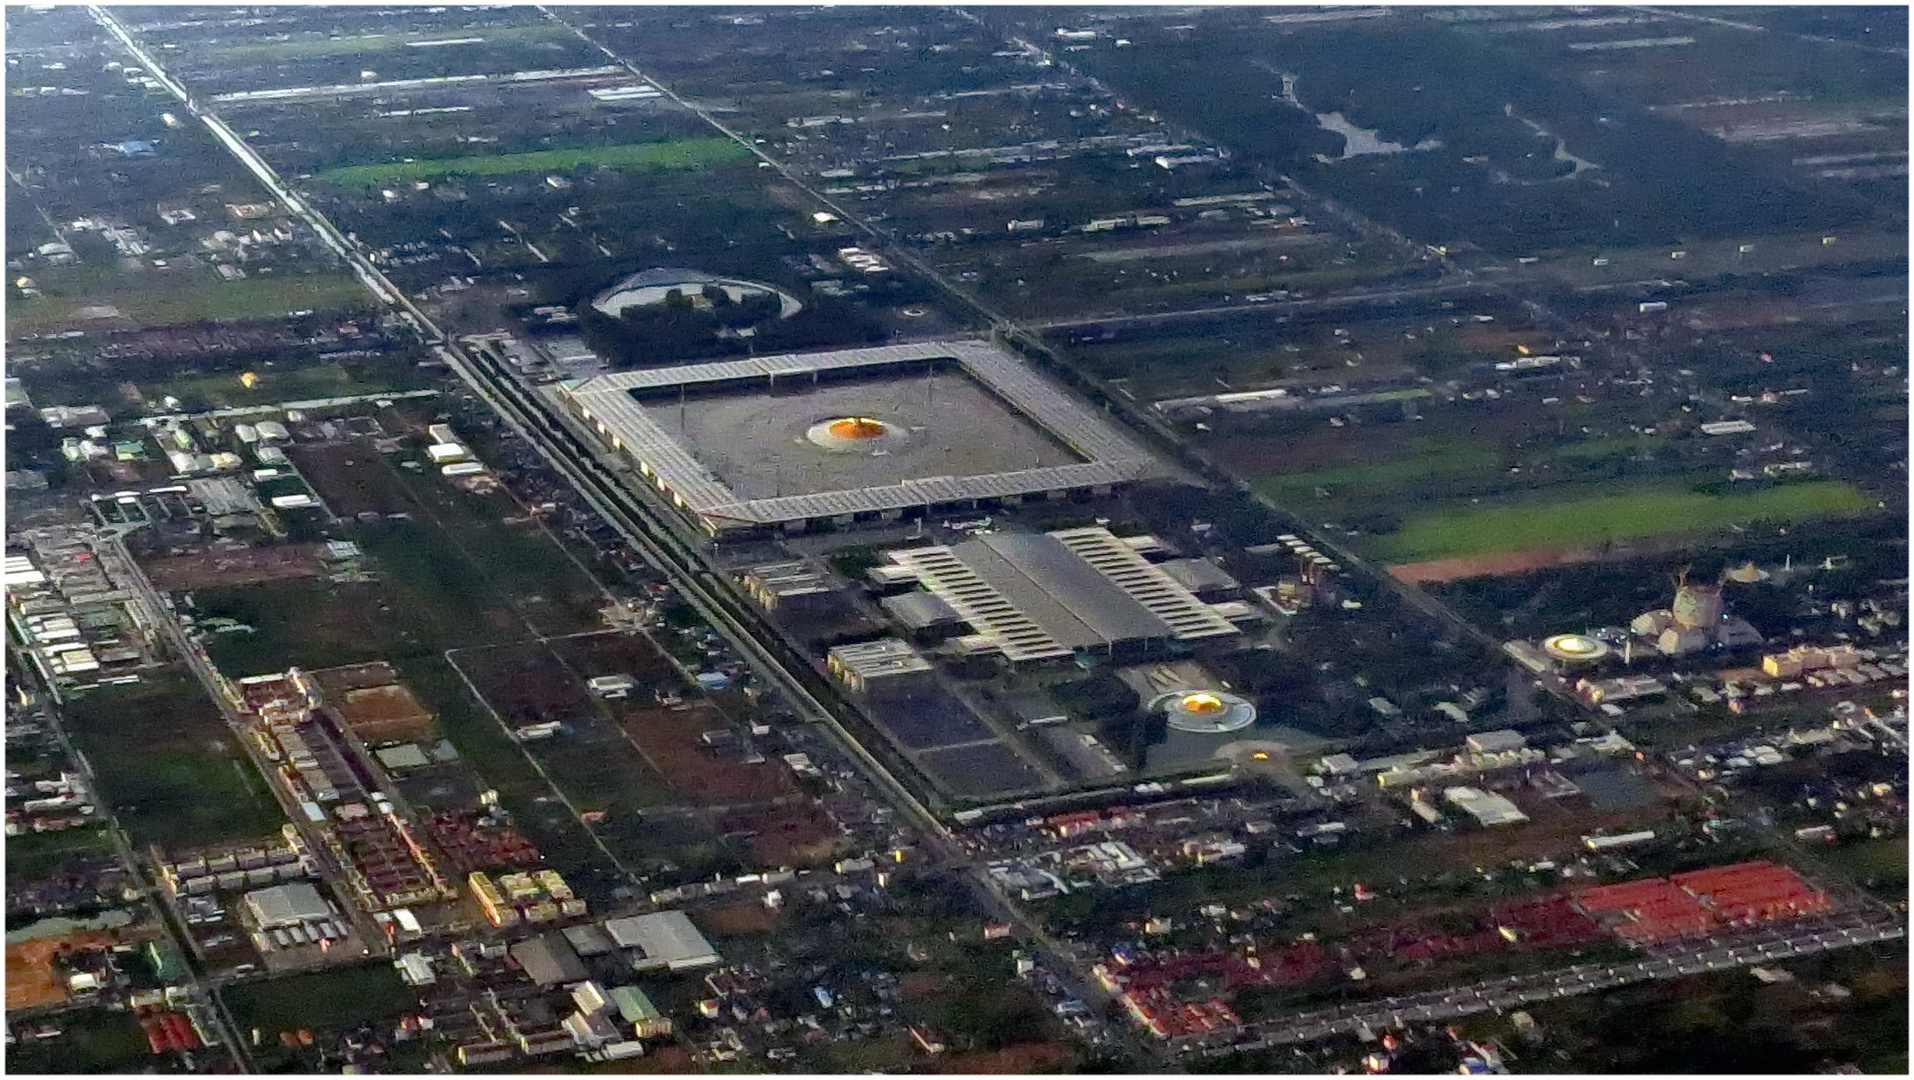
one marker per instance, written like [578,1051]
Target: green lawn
[1881,862]
[1588,521]
[326,1000]
[92,1041]
[177,297]
[169,767]
[674,154]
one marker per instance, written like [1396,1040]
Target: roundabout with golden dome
[856,435]
[1205,712]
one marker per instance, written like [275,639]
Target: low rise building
[1805,658]
[508,899]
[286,905]
[1496,742]
[860,665]
[635,1009]
[1485,807]
[548,960]
[664,939]
[1625,688]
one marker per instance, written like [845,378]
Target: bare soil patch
[744,917]
[249,566]
[704,776]
[1508,562]
[31,979]
[1018,1059]
[795,834]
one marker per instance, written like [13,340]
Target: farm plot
[224,390]
[318,624]
[674,154]
[84,297]
[670,736]
[1608,517]
[588,758]
[352,478]
[493,537]
[792,834]
[526,684]
[619,654]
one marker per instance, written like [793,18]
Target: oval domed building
[1575,648]
[1205,712]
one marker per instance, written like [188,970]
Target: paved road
[1757,945]
[1117,320]
[639,524]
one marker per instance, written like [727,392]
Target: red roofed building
[1757,891]
[1544,924]
[1166,1017]
[1074,824]
[1651,909]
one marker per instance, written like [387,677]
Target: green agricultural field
[433,596]
[1880,862]
[1613,446]
[1372,478]
[1587,521]
[544,585]
[169,768]
[313,47]
[222,390]
[674,154]
[31,856]
[305,622]
[154,298]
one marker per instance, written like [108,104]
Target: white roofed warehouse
[1044,596]
[663,939]
[1486,807]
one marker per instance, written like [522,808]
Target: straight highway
[639,524]
[1721,952]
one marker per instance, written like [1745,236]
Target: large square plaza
[855,434]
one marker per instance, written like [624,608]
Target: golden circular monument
[857,427]
[861,434]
